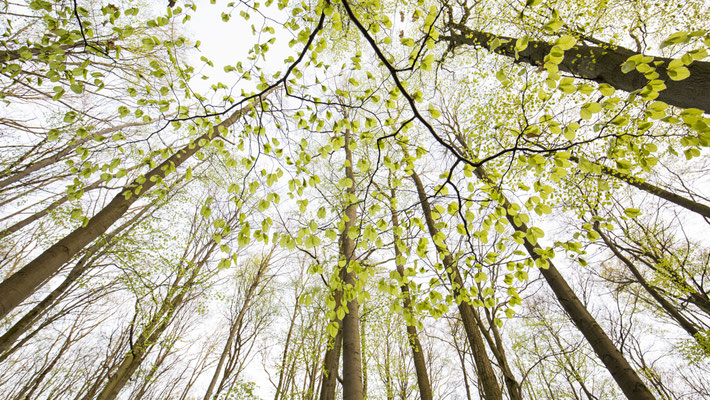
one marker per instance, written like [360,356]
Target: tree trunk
[284,357]
[461,353]
[56,203]
[599,64]
[147,338]
[352,363]
[674,198]
[332,359]
[417,354]
[236,324]
[24,282]
[495,343]
[662,302]
[47,161]
[491,390]
[624,375]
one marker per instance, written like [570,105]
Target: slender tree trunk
[352,363]
[237,323]
[600,64]
[624,375]
[389,385]
[461,353]
[363,348]
[47,161]
[312,375]
[24,282]
[148,337]
[332,359]
[41,213]
[148,379]
[24,323]
[491,390]
[674,198]
[284,357]
[425,391]
[662,302]
[112,360]
[495,343]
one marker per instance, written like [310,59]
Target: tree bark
[425,391]
[332,359]
[236,324]
[352,360]
[624,375]
[599,64]
[47,161]
[491,389]
[674,198]
[662,302]
[24,282]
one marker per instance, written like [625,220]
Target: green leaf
[632,212]
[678,37]
[522,43]
[566,42]
[679,73]
[628,66]
[434,112]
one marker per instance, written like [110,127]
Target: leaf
[77,87]
[679,73]
[522,43]
[566,42]
[632,212]
[628,66]
[606,90]
[678,37]
[434,112]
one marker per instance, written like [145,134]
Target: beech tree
[439,163]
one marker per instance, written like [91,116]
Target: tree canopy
[469,199]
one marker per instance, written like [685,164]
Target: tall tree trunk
[24,282]
[461,353]
[662,302]
[624,375]
[237,323]
[491,390]
[417,352]
[24,323]
[331,359]
[599,64]
[284,357]
[495,343]
[13,177]
[674,198]
[148,337]
[389,381]
[352,363]
[312,375]
[363,348]
[43,212]
[150,377]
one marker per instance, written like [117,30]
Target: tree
[429,159]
